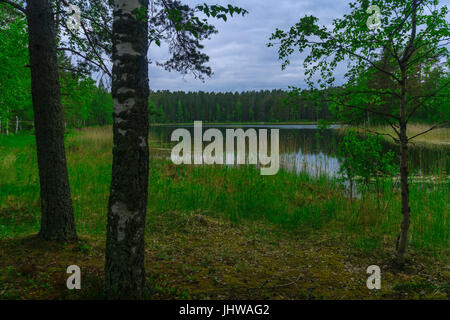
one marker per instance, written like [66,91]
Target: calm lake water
[302,150]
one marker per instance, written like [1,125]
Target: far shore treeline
[91,105]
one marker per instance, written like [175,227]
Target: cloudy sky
[238,54]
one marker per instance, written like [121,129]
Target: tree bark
[124,267]
[404,152]
[57,222]
[404,172]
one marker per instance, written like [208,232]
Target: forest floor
[221,233]
[206,258]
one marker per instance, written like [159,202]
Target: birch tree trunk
[124,267]
[57,222]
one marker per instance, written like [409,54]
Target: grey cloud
[238,53]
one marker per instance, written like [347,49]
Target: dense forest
[248,106]
[90,104]
[84,101]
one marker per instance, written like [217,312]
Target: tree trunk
[404,172]
[124,267]
[57,221]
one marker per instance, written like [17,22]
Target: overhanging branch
[15,6]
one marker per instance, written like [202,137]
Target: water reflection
[301,150]
[314,164]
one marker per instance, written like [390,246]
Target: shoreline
[235,123]
[437,137]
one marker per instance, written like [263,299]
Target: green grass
[15,141]
[190,207]
[293,203]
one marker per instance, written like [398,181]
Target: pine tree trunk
[57,221]
[404,172]
[124,267]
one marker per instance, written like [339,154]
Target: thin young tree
[392,37]
[124,268]
[57,221]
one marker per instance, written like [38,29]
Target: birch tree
[124,268]
[393,37]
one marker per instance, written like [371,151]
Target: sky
[238,54]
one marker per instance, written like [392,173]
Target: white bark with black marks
[124,267]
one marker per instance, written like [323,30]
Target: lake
[302,150]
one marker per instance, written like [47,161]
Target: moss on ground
[206,258]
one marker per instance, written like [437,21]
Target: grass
[222,232]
